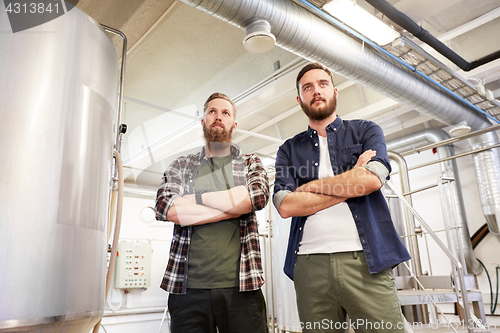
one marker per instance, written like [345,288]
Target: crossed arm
[217,206]
[323,193]
[172,204]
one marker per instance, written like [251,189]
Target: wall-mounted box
[133,265]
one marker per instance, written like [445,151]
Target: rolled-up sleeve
[278,198]
[257,182]
[379,170]
[373,138]
[170,189]
[284,182]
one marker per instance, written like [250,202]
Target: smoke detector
[259,38]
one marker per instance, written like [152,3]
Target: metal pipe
[119,128]
[443,247]
[454,211]
[487,180]
[451,140]
[416,264]
[447,228]
[416,30]
[409,220]
[475,151]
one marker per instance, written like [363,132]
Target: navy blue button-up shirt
[297,163]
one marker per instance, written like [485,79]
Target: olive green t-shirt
[214,253]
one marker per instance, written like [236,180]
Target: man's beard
[217,139]
[320,113]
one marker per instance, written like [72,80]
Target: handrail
[428,295]
[452,140]
[443,247]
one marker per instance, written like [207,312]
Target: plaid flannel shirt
[179,180]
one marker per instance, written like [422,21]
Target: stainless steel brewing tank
[58,93]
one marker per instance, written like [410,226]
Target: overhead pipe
[416,30]
[453,195]
[120,128]
[304,33]
[319,37]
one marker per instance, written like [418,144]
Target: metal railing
[458,265]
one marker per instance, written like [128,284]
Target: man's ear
[202,121]
[235,125]
[298,99]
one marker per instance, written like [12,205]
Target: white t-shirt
[332,229]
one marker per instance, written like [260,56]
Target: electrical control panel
[133,265]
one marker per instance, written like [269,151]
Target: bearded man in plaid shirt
[214,272]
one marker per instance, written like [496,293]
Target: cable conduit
[416,30]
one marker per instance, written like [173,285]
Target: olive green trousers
[331,286]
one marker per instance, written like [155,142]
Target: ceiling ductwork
[316,39]
[299,31]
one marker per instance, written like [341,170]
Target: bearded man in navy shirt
[343,244]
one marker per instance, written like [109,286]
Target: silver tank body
[57,105]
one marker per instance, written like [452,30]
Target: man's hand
[229,209]
[365,158]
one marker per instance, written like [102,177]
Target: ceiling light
[459,129]
[259,38]
[361,20]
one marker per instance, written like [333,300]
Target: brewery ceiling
[178,55]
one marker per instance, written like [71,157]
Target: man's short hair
[221,96]
[307,68]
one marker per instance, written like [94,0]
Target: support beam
[137,101]
[266,124]
[261,136]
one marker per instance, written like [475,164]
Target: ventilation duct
[305,34]
[487,169]
[453,194]
[299,31]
